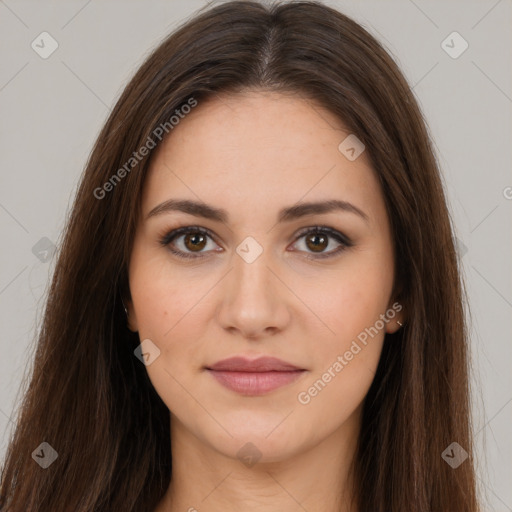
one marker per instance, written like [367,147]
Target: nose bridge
[251,271]
[253,301]
[251,277]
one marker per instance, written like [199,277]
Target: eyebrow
[200,209]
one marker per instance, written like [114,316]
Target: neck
[315,479]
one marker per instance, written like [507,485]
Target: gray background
[52,110]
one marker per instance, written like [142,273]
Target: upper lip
[262,364]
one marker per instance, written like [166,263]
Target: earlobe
[394,326]
[131,319]
[132,325]
[396,315]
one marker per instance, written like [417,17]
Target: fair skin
[253,154]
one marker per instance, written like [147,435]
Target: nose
[254,299]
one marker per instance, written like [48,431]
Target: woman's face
[255,284]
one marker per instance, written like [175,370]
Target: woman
[256,305]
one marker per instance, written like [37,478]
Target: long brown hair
[91,399]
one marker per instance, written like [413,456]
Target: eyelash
[344,241]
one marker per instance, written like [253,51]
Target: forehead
[258,149]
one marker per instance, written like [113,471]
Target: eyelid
[171,234]
[174,233]
[344,241]
[334,233]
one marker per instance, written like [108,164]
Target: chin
[258,440]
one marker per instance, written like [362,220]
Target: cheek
[164,298]
[333,395]
[347,303]
[167,307]
[170,318]
[346,360]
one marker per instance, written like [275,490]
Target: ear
[131,320]
[396,314]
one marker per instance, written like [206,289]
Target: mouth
[257,377]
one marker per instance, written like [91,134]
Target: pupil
[195,240]
[316,237]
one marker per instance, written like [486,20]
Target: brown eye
[317,239]
[195,241]
[317,242]
[187,242]
[190,242]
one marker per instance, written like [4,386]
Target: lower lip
[256,383]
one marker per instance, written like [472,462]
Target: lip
[262,364]
[254,377]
